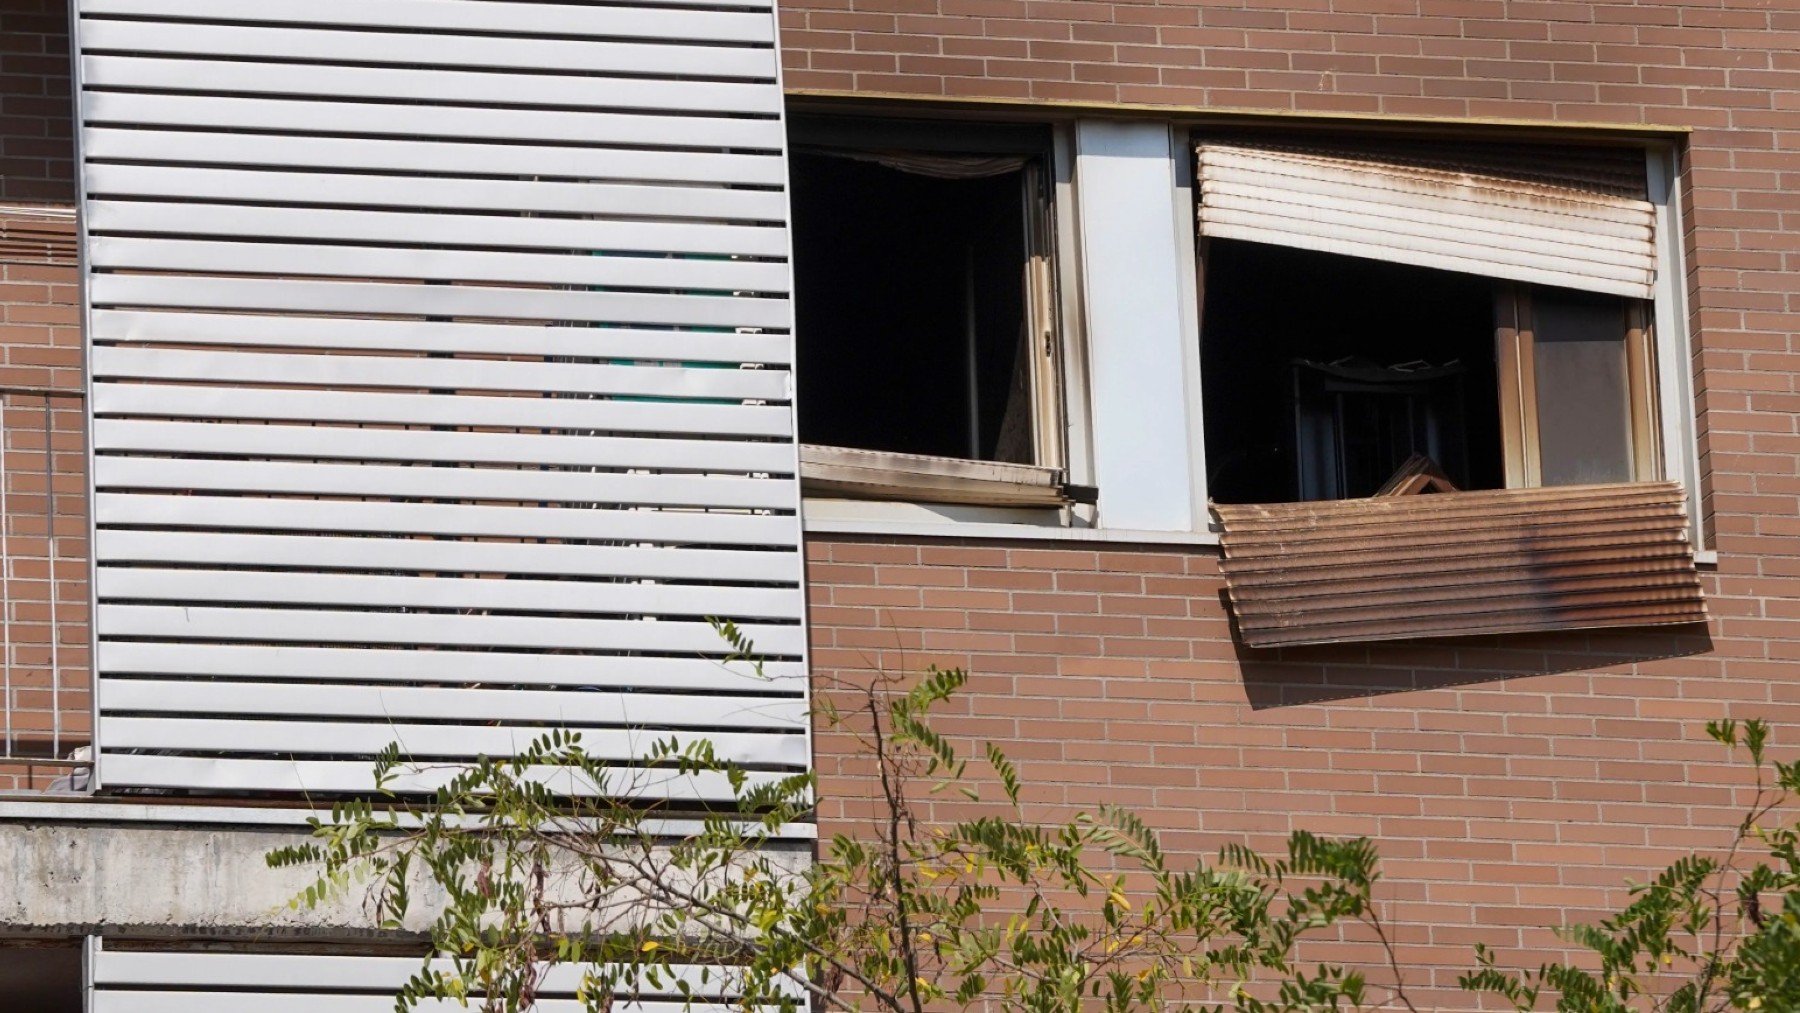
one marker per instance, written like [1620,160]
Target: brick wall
[1512,782]
[43,554]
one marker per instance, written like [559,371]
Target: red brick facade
[1513,783]
[45,630]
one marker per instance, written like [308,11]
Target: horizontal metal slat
[1649,516]
[504,18]
[1252,517]
[386,84]
[325,738]
[341,973]
[438,556]
[452,447]
[640,200]
[1420,189]
[1495,595]
[510,485]
[360,262]
[219,513]
[348,590]
[274,296]
[406,520]
[340,627]
[509,231]
[563,708]
[136,770]
[330,666]
[401,47]
[430,156]
[418,372]
[1517,621]
[1551,251]
[1302,240]
[425,121]
[569,413]
[245,330]
[119,1001]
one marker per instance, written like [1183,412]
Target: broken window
[1430,383]
[1484,310]
[923,311]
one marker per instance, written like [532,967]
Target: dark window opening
[1324,374]
[41,977]
[911,306]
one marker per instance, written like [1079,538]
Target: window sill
[916,478]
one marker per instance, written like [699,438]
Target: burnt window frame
[835,472]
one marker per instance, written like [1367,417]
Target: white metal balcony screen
[234,982]
[1524,215]
[440,379]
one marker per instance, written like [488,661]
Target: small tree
[554,856]
[1708,934]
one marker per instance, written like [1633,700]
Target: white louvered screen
[440,379]
[234,982]
[1518,215]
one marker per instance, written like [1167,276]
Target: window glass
[1583,393]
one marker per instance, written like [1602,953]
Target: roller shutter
[1550,216]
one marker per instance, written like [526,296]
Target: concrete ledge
[71,879]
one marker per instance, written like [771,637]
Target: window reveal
[924,322]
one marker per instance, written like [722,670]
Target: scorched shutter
[1575,219]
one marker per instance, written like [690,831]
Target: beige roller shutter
[1576,219]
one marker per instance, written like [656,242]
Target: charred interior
[911,308]
[1326,373]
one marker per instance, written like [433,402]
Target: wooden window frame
[1515,344]
[857,473]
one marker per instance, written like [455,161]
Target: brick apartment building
[1109,321]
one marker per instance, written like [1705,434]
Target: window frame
[861,474]
[1662,365]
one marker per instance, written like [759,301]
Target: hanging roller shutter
[1575,219]
[440,380]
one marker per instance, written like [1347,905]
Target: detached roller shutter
[1460,564]
[440,380]
[1550,216]
[164,981]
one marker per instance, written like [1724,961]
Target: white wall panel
[1139,344]
[439,355]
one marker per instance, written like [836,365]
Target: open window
[924,310]
[1386,322]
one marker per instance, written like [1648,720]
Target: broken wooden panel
[1458,564]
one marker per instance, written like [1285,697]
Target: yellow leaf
[649,945]
[1755,1002]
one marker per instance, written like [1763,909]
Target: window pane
[1583,393]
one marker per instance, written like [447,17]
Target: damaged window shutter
[1432,565]
[1570,218]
